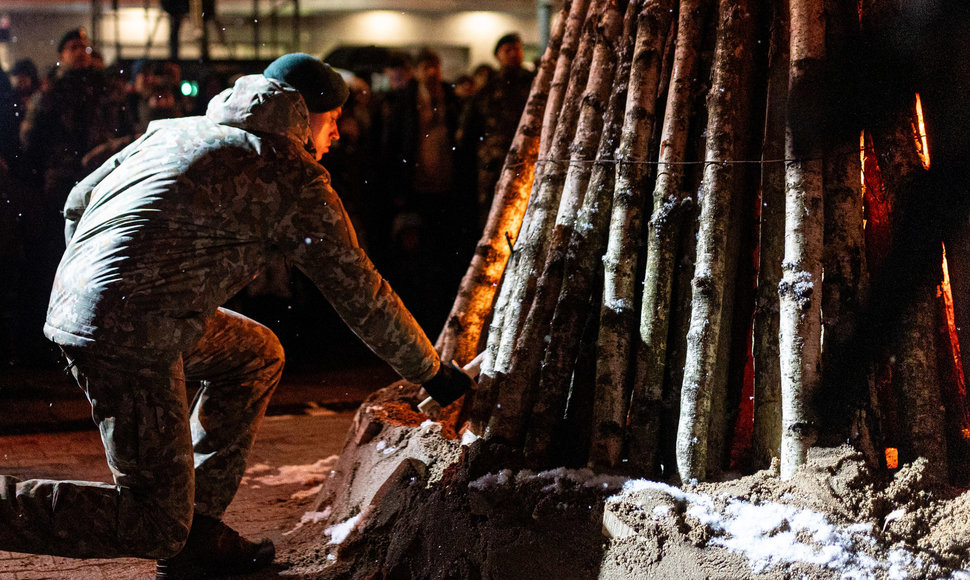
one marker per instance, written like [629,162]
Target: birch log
[529,252]
[589,240]
[572,38]
[663,240]
[565,250]
[728,103]
[572,34]
[517,389]
[460,337]
[799,291]
[475,302]
[766,435]
[916,383]
[618,309]
[845,287]
[915,378]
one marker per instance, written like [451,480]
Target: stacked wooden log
[663,248]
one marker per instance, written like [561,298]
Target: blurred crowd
[416,164]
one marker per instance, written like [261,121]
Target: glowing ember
[892,458]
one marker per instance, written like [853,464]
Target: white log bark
[728,103]
[799,292]
[663,240]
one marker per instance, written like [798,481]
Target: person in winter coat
[491,117]
[158,238]
[429,247]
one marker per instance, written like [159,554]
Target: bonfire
[699,355]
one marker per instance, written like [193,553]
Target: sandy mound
[405,502]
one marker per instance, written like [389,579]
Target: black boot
[214,549]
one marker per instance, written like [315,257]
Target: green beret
[322,88]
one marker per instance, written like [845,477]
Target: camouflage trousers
[168,458]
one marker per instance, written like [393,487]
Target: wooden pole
[728,104]
[460,337]
[551,395]
[640,79]
[766,435]
[530,248]
[800,330]
[469,315]
[663,236]
[845,287]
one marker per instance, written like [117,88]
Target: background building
[463,33]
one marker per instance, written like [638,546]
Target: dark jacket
[401,133]
[491,117]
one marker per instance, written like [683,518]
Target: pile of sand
[405,502]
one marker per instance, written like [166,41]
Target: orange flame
[919,135]
[947,293]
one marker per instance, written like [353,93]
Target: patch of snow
[468,437]
[261,474]
[491,480]
[310,518]
[339,532]
[619,304]
[771,533]
[895,515]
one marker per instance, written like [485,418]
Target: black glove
[449,384]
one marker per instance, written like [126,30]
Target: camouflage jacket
[179,221]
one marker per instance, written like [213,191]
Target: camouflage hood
[261,105]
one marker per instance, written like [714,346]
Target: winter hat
[322,88]
[73,34]
[509,38]
[27,68]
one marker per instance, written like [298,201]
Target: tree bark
[460,337]
[663,236]
[644,59]
[845,287]
[916,384]
[518,389]
[799,292]
[475,303]
[529,252]
[570,251]
[915,381]
[492,368]
[766,435]
[572,34]
[727,123]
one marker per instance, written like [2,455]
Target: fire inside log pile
[716,249]
[680,276]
